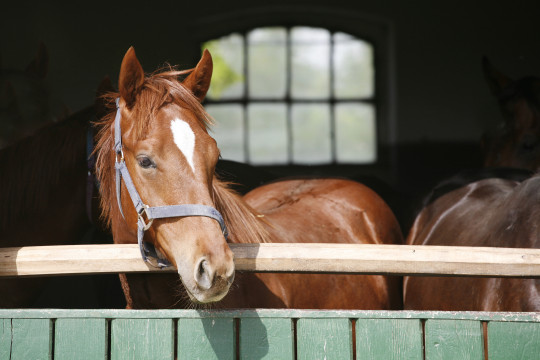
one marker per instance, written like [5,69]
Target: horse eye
[145,162]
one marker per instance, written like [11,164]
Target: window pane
[229,130]
[228,57]
[267,131]
[354,74]
[311,133]
[267,62]
[355,133]
[310,58]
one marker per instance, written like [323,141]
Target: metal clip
[121,154]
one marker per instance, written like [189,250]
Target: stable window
[299,95]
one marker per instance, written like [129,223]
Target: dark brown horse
[43,196]
[46,199]
[161,142]
[488,213]
[516,142]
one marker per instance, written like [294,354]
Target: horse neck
[35,170]
[525,201]
[245,224]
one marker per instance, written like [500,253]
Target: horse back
[325,210]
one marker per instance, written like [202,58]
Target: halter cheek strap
[148,251]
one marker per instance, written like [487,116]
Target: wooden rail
[307,258]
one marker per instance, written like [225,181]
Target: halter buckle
[146,225]
[121,155]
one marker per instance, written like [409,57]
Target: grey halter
[148,251]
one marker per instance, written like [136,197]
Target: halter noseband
[157,212]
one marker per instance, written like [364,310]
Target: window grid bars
[288,101]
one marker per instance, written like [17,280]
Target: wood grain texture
[266,334]
[206,339]
[389,339]
[142,339]
[31,339]
[5,339]
[454,340]
[273,257]
[266,338]
[532,317]
[324,339]
[513,340]
[80,338]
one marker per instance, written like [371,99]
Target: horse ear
[199,79]
[131,77]
[105,86]
[40,65]
[496,80]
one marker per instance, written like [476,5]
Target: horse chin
[198,296]
[202,300]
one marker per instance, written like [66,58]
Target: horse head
[516,142]
[171,160]
[26,102]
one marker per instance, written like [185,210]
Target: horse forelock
[527,88]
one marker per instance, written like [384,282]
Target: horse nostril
[204,276]
[230,278]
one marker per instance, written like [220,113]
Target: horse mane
[31,166]
[245,224]
[522,88]
[159,89]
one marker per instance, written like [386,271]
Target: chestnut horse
[154,146]
[492,212]
[516,142]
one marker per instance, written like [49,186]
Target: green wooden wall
[266,334]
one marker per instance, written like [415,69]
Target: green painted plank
[272,313]
[513,340]
[142,339]
[5,339]
[206,339]
[266,338]
[389,339]
[454,339]
[32,339]
[80,338]
[324,339]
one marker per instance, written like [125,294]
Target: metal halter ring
[146,226]
[121,154]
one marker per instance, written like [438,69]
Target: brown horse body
[490,213]
[325,210]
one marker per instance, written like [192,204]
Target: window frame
[377,31]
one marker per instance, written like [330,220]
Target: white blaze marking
[184,138]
